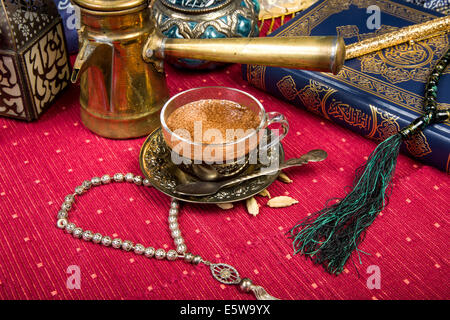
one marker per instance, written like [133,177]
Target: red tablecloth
[43,161]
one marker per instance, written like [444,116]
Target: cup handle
[276,117]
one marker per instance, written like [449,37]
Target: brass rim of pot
[111,6]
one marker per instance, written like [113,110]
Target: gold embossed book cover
[376,94]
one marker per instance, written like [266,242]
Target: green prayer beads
[431,113]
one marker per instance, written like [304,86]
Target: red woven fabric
[42,162]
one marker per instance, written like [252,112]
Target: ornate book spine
[366,114]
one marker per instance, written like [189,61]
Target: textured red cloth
[43,161]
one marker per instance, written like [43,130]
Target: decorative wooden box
[34,64]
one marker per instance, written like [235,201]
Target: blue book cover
[68,14]
[374,95]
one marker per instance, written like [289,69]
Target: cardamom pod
[284,178]
[225,206]
[252,206]
[281,202]
[264,193]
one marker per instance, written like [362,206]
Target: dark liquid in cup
[229,120]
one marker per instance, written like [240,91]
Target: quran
[376,94]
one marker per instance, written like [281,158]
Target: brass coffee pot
[120,63]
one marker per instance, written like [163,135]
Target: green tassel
[330,235]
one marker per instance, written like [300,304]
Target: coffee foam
[213,121]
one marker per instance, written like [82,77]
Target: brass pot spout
[98,54]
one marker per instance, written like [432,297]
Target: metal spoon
[204,188]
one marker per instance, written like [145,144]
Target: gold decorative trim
[317,98]
[379,88]
[404,62]
[412,33]
[355,78]
[315,95]
[315,16]
[256,76]
[384,124]
[418,145]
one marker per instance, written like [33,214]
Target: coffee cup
[216,153]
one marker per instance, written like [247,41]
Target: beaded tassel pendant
[330,235]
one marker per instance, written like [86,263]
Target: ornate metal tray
[155,163]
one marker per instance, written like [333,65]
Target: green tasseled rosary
[330,235]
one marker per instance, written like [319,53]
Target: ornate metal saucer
[155,163]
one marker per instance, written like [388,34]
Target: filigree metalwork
[156,165]
[225,273]
[197,6]
[403,62]
[205,19]
[224,19]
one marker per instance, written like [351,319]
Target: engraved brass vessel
[121,70]
[205,19]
